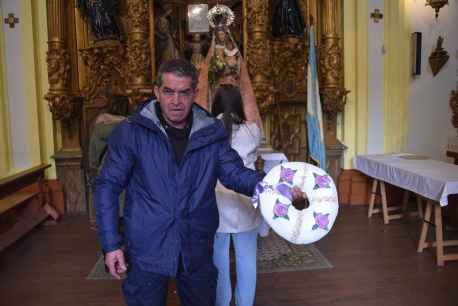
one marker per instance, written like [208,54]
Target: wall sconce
[436,5]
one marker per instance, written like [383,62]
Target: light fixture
[436,5]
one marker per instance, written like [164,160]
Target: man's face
[175,97]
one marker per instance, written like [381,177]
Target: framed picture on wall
[416,53]
[197,18]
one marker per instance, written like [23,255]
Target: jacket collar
[205,129]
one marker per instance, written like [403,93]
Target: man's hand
[297,194]
[299,198]
[116,263]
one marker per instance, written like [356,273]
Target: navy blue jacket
[170,208]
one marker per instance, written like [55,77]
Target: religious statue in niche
[102,17]
[224,64]
[287,19]
[165,42]
[438,57]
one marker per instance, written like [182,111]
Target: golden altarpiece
[88,74]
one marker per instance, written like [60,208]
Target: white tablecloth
[430,178]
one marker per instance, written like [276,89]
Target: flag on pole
[314,117]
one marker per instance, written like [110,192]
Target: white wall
[16,103]
[375,104]
[430,129]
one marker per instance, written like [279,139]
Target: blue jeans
[245,245]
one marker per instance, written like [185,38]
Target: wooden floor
[374,264]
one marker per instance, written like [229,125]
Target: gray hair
[178,67]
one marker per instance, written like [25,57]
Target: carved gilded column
[257,55]
[258,50]
[152,38]
[59,97]
[139,85]
[331,81]
[65,106]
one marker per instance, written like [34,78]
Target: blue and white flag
[314,118]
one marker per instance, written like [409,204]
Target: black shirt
[178,137]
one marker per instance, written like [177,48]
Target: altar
[96,68]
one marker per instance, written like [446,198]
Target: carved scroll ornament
[63,106]
[61,103]
[106,68]
[58,68]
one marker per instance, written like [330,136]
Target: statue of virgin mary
[224,65]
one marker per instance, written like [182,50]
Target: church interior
[383,74]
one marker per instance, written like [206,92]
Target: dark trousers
[142,288]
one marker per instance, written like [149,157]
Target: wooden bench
[23,204]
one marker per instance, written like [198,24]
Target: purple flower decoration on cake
[284,190]
[287,175]
[321,221]
[281,210]
[321,181]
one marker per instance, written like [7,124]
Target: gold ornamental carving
[106,69]
[289,131]
[331,68]
[258,50]
[58,62]
[288,70]
[138,52]
[258,14]
[63,106]
[333,93]
[138,62]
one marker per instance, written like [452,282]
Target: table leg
[386,219]
[424,228]
[372,198]
[420,206]
[405,201]
[439,235]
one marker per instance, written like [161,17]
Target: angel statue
[224,64]
[101,15]
[165,43]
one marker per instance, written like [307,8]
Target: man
[168,156]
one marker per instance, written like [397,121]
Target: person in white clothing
[239,220]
